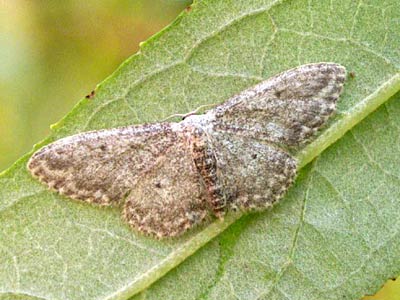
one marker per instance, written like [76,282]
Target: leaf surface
[334,235]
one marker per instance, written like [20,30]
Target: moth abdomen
[205,162]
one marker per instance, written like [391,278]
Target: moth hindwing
[170,177]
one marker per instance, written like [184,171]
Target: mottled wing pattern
[101,166]
[286,109]
[252,131]
[170,198]
[252,174]
[151,166]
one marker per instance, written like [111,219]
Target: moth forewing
[286,109]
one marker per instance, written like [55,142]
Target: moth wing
[286,109]
[171,197]
[150,165]
[253,174]
[101,166]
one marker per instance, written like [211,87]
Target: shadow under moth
[169,177]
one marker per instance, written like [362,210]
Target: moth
[168,177]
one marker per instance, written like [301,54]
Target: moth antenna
[184,116]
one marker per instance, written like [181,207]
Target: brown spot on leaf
[91,95]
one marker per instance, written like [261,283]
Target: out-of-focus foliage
[53,53]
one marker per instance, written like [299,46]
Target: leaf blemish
[91,95]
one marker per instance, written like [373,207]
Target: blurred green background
[53,53]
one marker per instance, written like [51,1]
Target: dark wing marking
[286,109]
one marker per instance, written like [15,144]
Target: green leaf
[336,233]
